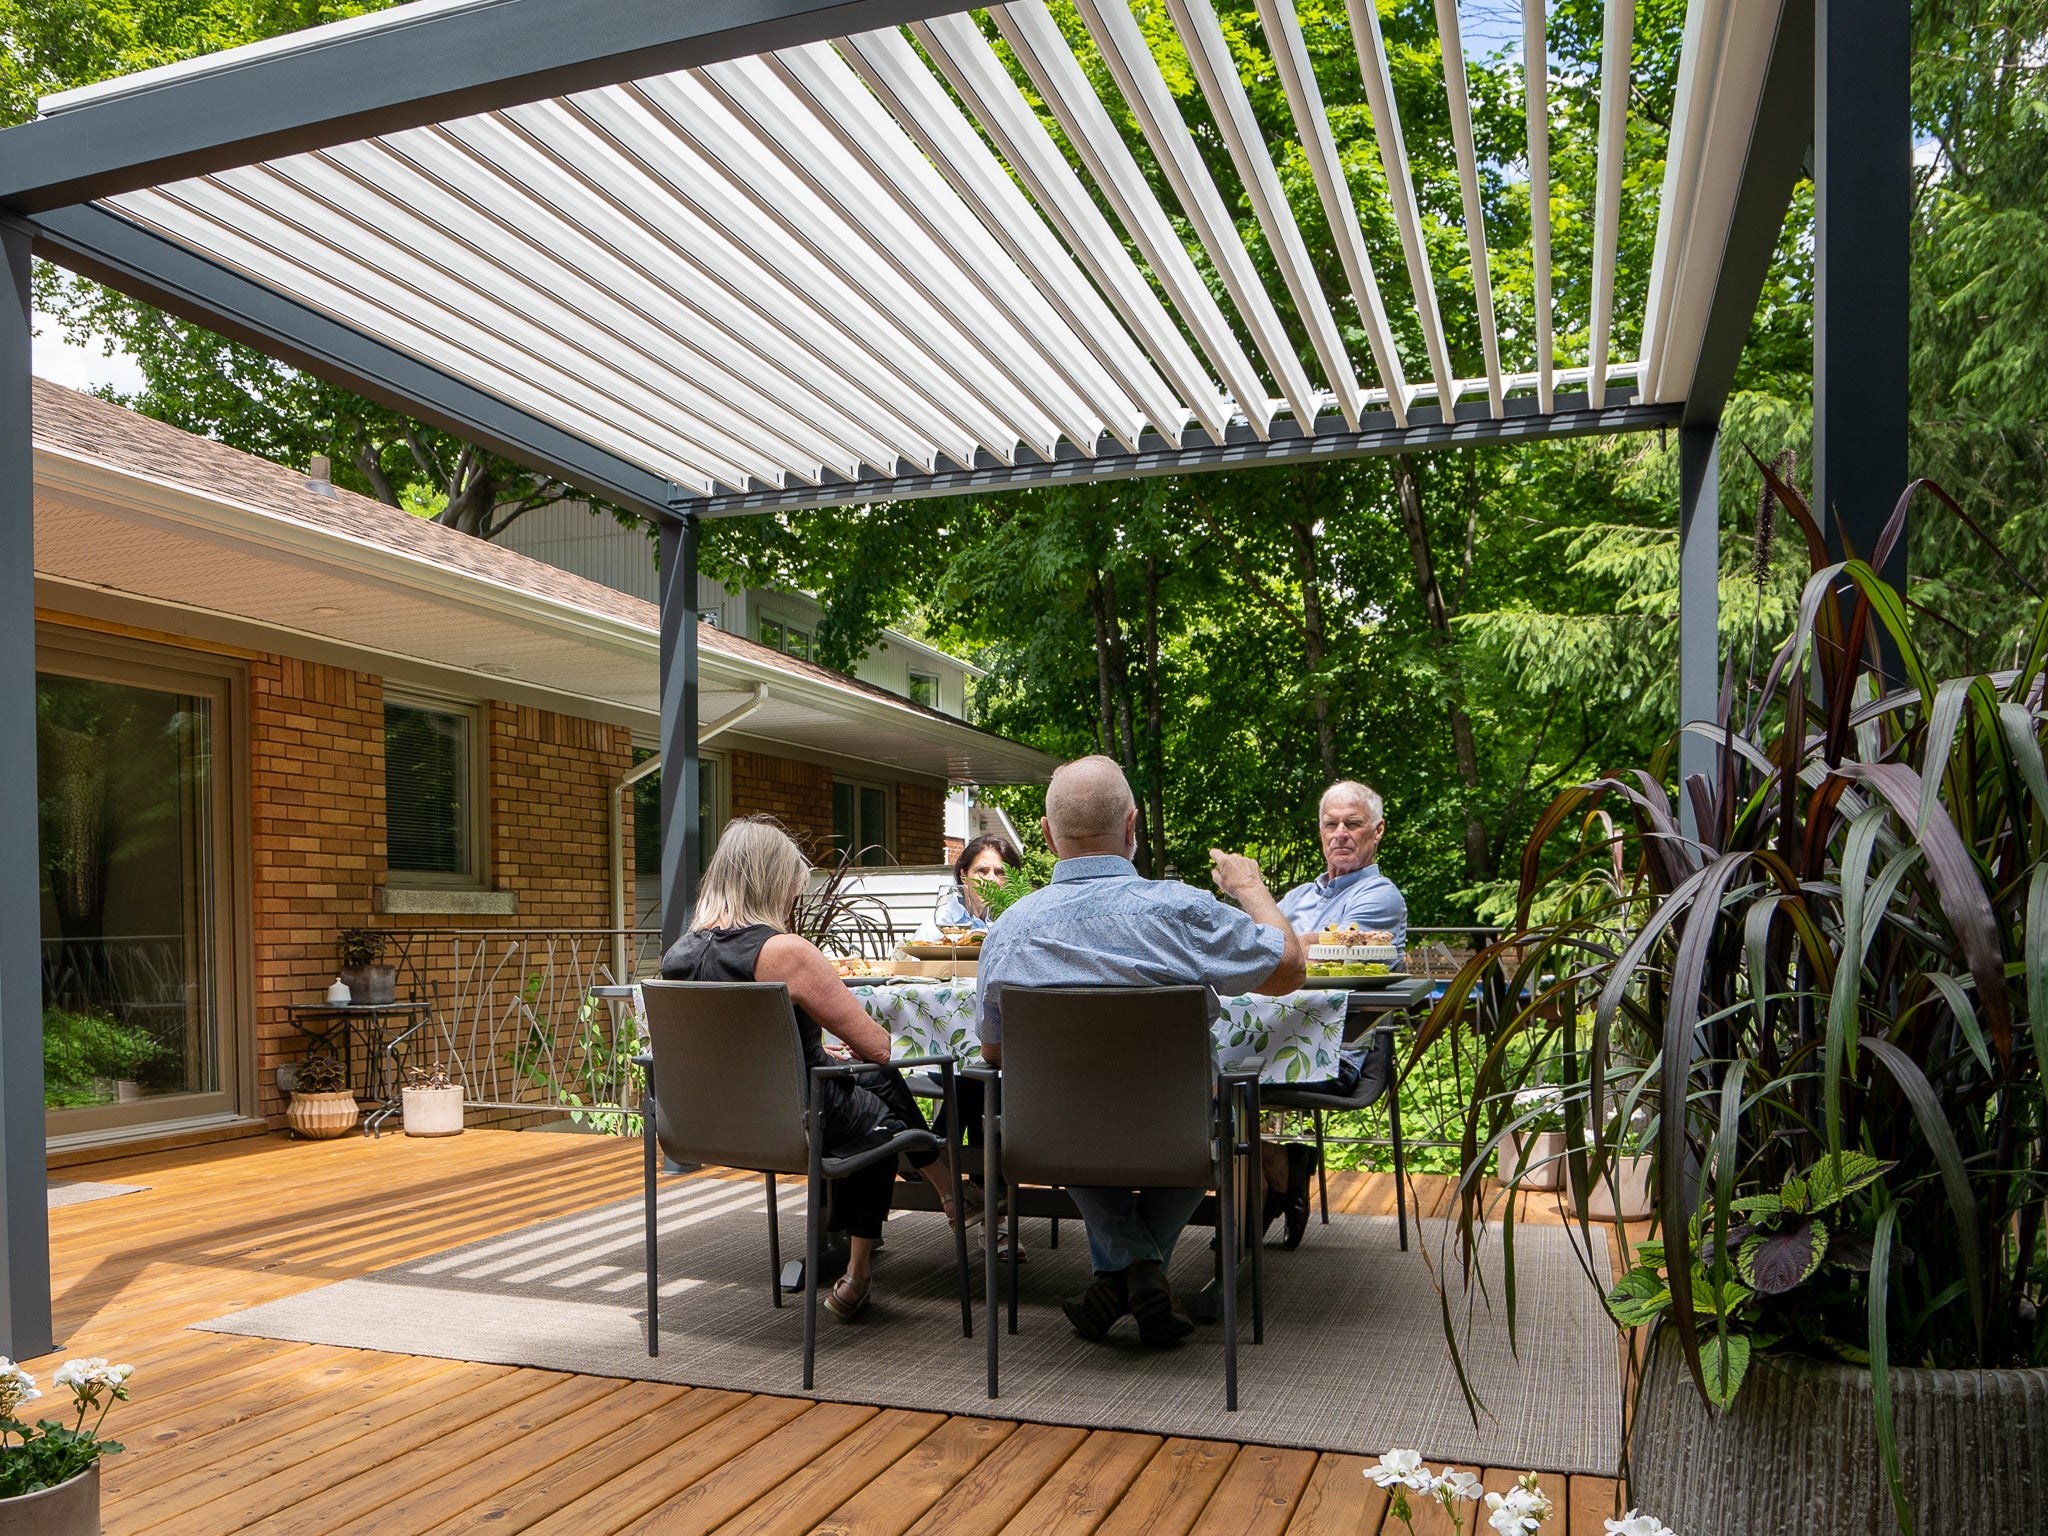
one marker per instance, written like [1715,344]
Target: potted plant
[1533,1156]
[370,982]
[89,1058]
[1839,979]
[322,1105]
[433,1101]
[50,1473]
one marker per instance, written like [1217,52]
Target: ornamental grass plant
[1823,996]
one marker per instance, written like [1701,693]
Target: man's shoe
[1301,1167]
[1096,1310]
[1160,1318]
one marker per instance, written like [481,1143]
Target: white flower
[1401,1469]
[1516,1512]
[1633,1524]
[1549,1100]
[16,1387]
[87,1379]
[1456,1485]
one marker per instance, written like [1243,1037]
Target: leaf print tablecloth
[1295,1038]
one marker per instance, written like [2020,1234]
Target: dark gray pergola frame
[1843,88]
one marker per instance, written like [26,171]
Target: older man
[1100,924]
[1351,820]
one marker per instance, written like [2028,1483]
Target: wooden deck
[230,1434]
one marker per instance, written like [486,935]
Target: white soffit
[933,248]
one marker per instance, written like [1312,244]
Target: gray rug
[78,1194]
[1354,1359]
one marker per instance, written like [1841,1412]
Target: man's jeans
[1129,1226]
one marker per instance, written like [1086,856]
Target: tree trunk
[1127,743]
[1314,637]
[1478,844]
[1155,784]
[1105,726]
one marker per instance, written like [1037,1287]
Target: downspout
[622,913]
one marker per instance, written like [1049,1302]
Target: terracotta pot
[1545,1168]
[433,1111]
[72,1508]
[322,1116]
[369,985]
[1797,1453]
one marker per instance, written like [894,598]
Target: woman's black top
[850,1113]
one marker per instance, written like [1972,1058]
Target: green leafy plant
[83,1050]
[360,946]
[1035,873]
[43,1455]
[1828,997]
[320,1074]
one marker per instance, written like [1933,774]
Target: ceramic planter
[433,1111]
[322,1116]
[1545,1166]
[72,1508]
[370,985]
[1632,1176]
[1797,1454]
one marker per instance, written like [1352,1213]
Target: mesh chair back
[1108,1085]
[729,1079]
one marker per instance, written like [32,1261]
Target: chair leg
[1400,1164]
[1016,1228]
[653,1279]
[1254,1210]
[814,1219]
[1226,1245]
[959,1192]
[774,1245]
[1053,1239]
[991,1179]
[1322,1177]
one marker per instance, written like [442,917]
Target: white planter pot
[433,1111]
[1544,1168]
[1631,1175]
[72,1508]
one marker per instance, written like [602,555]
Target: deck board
[230,1434]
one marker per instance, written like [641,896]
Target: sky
[81,367]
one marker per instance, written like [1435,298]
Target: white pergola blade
[1319,144]
[1459,90]
[1536,80]
[1136,72]
[901,82]
[1042,49]
[1217,71]
[1616,47]
[971,67]
[1386,121]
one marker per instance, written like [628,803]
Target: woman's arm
[816,988]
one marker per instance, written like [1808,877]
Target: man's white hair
[1088,799]
[1351,789]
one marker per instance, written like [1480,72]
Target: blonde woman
[740,933]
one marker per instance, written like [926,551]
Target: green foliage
[83,1051]
[1034,874]
[47,1454]
[360,946]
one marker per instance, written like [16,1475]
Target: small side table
[342,1031]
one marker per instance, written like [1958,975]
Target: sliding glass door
[132,809]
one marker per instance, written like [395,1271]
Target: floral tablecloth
[1295,1039]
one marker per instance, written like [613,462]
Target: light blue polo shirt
[1365,897]
[1101,924]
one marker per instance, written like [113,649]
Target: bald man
[1100,924]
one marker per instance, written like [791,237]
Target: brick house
[270,709]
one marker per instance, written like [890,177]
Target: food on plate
[855,965]
[960,938]
[1352,936]
[1350,968]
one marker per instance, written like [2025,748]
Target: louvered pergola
[706,258]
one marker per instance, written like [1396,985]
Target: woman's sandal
[976,1206]
[844,1302]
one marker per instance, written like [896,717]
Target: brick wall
[799,795]
[920,824]
[549,778]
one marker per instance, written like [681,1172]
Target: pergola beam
[1378,435]
[453,62]
[102,245]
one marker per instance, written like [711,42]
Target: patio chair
[726,1086]
[1117,1087]
[1375,1082]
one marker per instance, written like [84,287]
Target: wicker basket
[322,1116]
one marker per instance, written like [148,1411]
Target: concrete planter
[72,1508]
[370,985]
[1632,1176]
[433,1111]
[1798,1452]
[322,1116]
[1545,1167]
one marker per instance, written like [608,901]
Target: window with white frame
[434,790]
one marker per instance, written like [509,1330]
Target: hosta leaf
[1856,1170]
[1772,1263]
[1724,1361]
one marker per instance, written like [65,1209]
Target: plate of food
[1352,945]
[858,968]
[1352,975]
[953,944]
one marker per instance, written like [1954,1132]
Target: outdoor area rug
[78,1194]
[1354,1358]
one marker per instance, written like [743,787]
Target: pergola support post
[25,1231]
[1699,602]
[1862,160]
[681,857]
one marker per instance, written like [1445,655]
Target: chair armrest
[983,1073]
[840,1069]
[918,1061]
